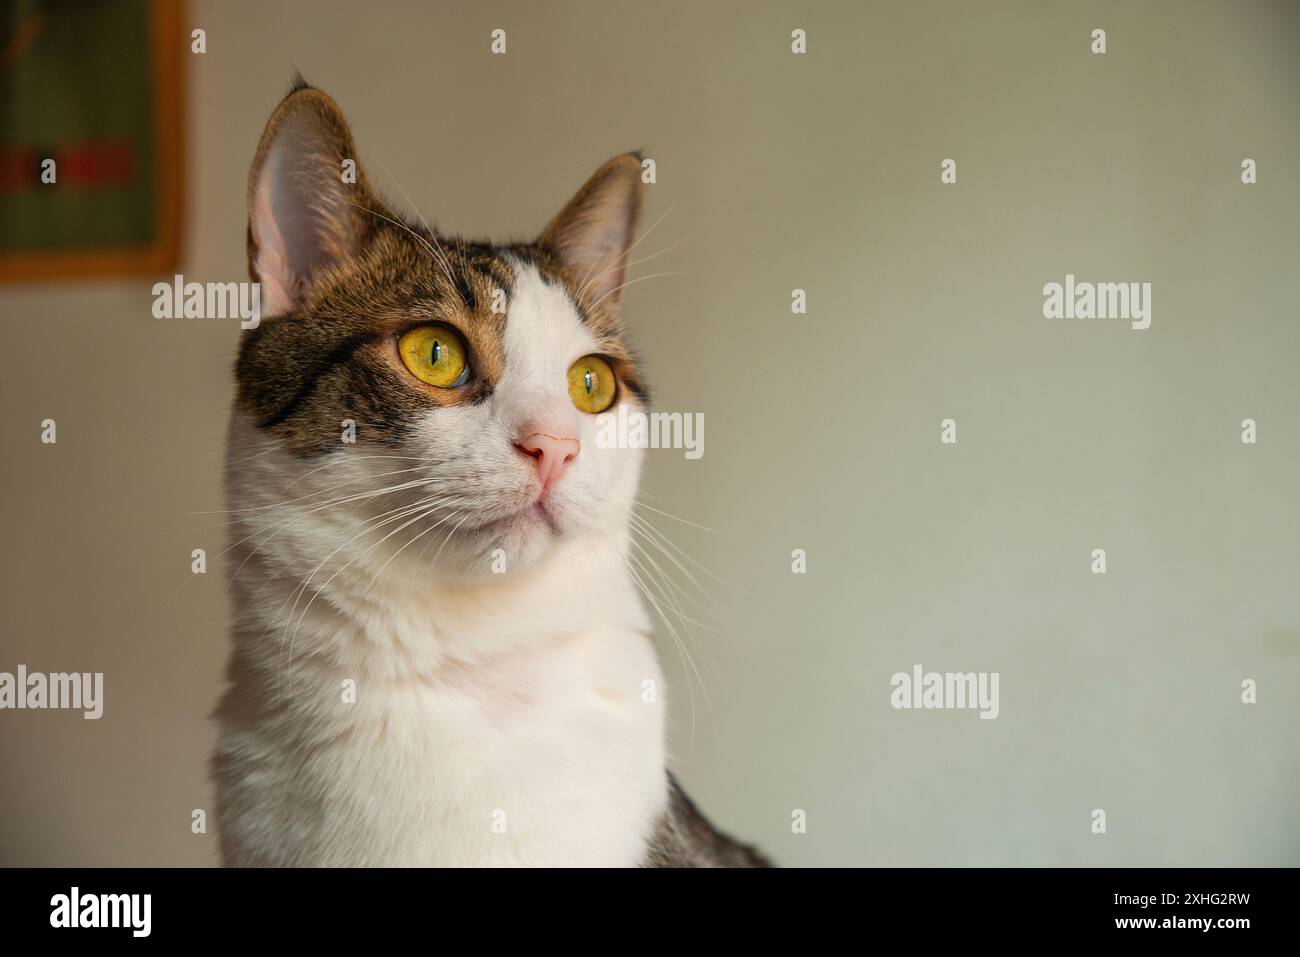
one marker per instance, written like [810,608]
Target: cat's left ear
[309,201]
[593,233]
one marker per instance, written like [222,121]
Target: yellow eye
[591,384]
[436,355]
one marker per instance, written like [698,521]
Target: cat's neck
[410,623]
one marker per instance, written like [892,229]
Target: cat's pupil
[437,352]
[589,380]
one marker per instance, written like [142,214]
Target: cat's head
[469,374]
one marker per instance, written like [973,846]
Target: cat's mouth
[534,514]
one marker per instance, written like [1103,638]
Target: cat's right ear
[308,199]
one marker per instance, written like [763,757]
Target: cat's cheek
[590,496]
[612,481]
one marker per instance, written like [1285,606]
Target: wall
[776,171]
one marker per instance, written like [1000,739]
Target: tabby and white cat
[440,657]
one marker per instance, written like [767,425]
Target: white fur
[499,718]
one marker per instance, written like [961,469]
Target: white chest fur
[375,744]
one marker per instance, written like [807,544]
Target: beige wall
[1118,692]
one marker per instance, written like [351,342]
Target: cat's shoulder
[684,837]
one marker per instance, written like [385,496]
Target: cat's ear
[305,197]
[593,233]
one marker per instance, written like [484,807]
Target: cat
[440,657]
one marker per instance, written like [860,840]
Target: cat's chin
[522,538]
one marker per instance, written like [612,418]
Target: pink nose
[553,455]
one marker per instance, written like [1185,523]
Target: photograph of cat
[440,655]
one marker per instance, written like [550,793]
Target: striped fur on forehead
[303,374]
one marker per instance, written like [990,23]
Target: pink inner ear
[593,233]
[274,271]
[594,252]
[296,195]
